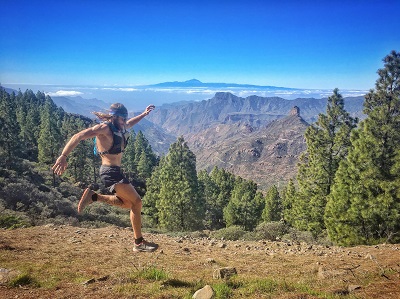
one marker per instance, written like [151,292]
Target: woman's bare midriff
[111,160]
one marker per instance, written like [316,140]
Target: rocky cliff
[267,155]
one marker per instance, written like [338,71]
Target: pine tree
[144,158]
[210,191]
[288,198]
[180,206]
[273,205]
[244,208]
[49,141]
[365,201]
[152,196]
[327,141]
[216,187]
[128,159]
[9,129]
[28,117]
[139,146]
[80,161]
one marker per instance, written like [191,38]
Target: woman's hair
[116,109]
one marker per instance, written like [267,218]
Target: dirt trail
[71,262]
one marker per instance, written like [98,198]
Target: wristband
[64,155]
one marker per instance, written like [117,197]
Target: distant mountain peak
[295,111]
[197,83]
[193,81]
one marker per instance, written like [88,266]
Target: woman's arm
[134,120]
[61,164]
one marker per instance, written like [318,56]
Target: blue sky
[300,44]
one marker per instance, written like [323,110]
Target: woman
[111,140]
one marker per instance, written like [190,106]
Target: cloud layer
[65,93]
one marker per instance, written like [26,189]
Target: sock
[138,241]
[94,197]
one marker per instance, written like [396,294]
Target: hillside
[69,262]
[266,155]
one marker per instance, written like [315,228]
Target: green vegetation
[12,221]
[23,280]
[327,141]
[364,205]
[347,185]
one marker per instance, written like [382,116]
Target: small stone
[210,261]
[205,293]
[353,287]
[224,272]
[104,278]
[92,280]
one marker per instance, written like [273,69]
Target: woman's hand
[60,165]
[149,109]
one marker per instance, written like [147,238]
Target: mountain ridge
[198,83]
[195,116]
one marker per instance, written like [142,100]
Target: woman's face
[120,122]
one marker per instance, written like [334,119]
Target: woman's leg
[126,197]
[90,196]
[128,194]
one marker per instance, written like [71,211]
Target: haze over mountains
[137,97]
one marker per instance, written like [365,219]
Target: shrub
[11,222]
[270,230]
[300,236]
[232,233]
[23,280]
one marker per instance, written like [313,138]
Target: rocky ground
[71,262]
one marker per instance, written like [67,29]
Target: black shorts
[112,175]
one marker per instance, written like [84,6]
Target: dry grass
[70,262]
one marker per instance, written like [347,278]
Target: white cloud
[120,89]
[65,93]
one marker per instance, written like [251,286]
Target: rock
[92,280]
[205,293]
[221,245]
[352,288]
[104,278]
[370,256]
[224,273]
[7,274]
[210,261]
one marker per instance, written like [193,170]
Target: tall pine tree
[288,198]
[365,201]
[49,141]
[327,141]
[273,205]
[180,205]
[9,129]
[244,208]
[216,187]
[152,196]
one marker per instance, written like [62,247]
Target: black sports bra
[120,140]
